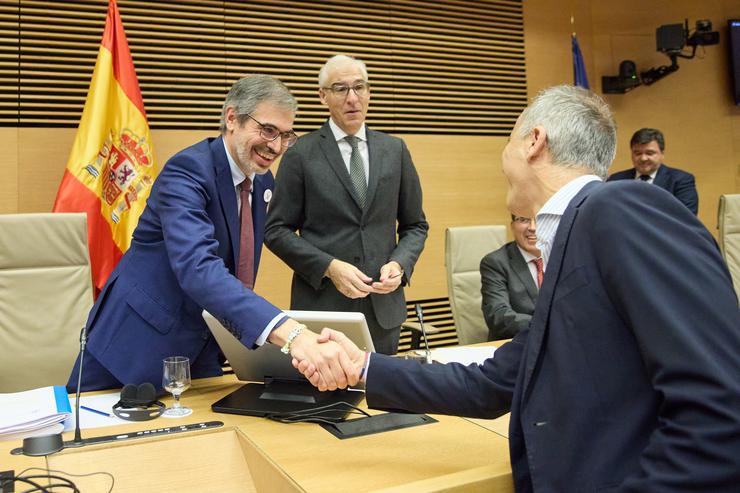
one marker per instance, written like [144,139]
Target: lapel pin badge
[268,195]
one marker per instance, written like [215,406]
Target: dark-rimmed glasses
[271,133]
[360,88]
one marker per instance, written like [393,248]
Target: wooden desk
[256,454]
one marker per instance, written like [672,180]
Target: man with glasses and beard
[342,195]
[197,247]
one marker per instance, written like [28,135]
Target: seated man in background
[197,246]
[626,379]
[510,279]
[647,146]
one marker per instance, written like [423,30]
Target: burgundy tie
[540,271]
[245,267]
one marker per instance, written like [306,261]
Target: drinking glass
[176,380]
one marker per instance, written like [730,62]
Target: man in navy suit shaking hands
[197,247]
[627,377]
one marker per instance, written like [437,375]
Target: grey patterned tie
[357,170]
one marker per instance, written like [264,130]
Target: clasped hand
[356,358]
[331,367]
[353,283]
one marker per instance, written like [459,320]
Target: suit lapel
[376,153]
[541,317]
[661,177]
[259,211]
[521,269]
[331,152]
[227,194]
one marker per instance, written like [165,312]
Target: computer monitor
[276,386]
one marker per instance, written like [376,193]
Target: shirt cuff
[278,320]
[365,368]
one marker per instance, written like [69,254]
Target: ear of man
[537,144]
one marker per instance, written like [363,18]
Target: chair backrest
[729,235]
[45,296]
[465,246]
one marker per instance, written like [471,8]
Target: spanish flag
[111,167]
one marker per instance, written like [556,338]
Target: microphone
[78,442]
[420,316]
[48,444]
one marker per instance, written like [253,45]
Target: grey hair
[580,128]
[340,61]
[248,92]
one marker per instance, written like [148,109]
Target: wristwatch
[293,334]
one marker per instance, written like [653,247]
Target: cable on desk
[318,414]
[67,483]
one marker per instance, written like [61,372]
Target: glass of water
[176,380]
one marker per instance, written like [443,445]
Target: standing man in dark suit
[647,146]
[347,212]
[510,279]
[627,378]
[197,247]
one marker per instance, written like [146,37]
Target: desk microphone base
[168,430]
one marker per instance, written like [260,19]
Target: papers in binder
[33,412]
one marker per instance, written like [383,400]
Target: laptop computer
[276,387]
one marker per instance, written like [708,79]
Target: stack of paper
[33,412]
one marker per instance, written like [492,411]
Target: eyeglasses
[360,88]
[271,133]
[522,220]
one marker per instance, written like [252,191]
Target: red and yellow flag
[111,167]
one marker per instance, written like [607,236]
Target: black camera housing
[703,35]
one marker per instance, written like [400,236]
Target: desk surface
[256,454]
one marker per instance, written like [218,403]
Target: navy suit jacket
[627,377]
[508,292]
[679,183]
[181,261]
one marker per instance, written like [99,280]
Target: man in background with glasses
[197,247]
[347,213]
[510,280]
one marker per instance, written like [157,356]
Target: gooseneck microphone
[77,442]
[420,316]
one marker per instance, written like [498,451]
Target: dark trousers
[384,340]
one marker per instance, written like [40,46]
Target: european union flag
[579,69]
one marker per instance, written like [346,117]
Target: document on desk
[96,412]
[463,354]
[33,412]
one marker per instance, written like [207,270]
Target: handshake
[328,360]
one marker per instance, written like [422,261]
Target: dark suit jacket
[508,292]
[680,183]
[182,260]
[315,197]
[627,378]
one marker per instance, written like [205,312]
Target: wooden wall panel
[9,171]
[443,67]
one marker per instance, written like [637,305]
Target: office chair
[728,222]
[45,296]
[465,246]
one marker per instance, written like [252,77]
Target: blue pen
[95,411]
